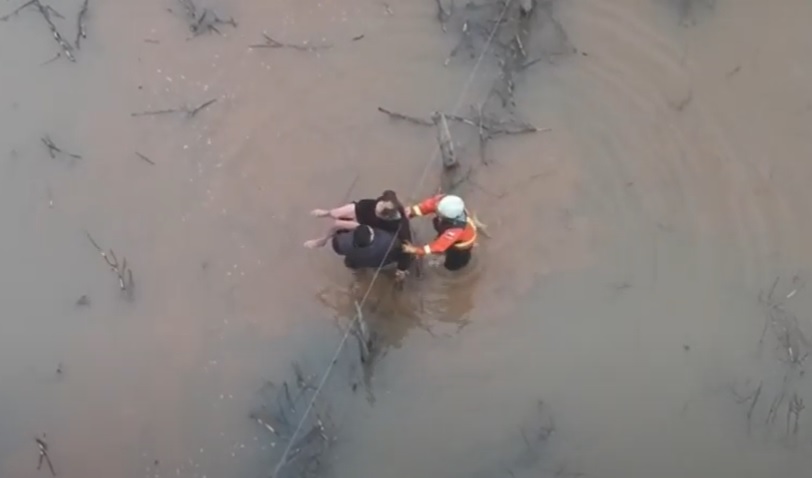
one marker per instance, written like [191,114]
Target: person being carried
[385,213]
[367,247]
[456,230]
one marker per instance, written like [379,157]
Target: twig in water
[520,46]
[81,30]
[305,46]
[206,22]
[190,112]
[756,395]
[528,64]
[410,119]
[17,10]
[150,40]
[144,158]
[56,57]
[200,108]
[773,412]
[43,455]
[483,137]
[46,12]
[157,112]
[445,141]
[797,407]
[124,274]
[361,332]
[358,37]
[53,148]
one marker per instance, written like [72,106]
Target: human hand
[410,248]
[320,213]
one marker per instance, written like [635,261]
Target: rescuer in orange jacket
[456,231]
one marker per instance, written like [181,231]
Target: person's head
[389,207]
[451,208]
[363,236]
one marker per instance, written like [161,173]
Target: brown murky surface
[620,287]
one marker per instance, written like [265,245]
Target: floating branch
[205,20]
[361,332]
[124,274]
[486,125]
[145,158]
[305,46]
[81,30]
[56,57]
[410,119]
[190,112]
[444,141]
[53,149]
[303,453]
[46,12]
[43,455]
[795,408]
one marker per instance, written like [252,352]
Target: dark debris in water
[770,399]
[203,20]
[284,407]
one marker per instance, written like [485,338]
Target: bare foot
[315,243]
[320,213]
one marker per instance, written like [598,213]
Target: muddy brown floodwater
[611,327]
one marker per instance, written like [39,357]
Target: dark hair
[404,229]
[362,236]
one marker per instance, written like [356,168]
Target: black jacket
[380,253]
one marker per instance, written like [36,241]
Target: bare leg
[346,211]
[338,225]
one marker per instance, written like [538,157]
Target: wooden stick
[66,48]
[753,405]
[53,148]
[200,108]
[144,158]
[46,12]
[81,31]
[445,141]
[190,112]
[56,57]
[17,10]
[410,119]
[271,43]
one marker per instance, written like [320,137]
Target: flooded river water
[611,327]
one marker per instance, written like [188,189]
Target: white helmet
[451,207]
